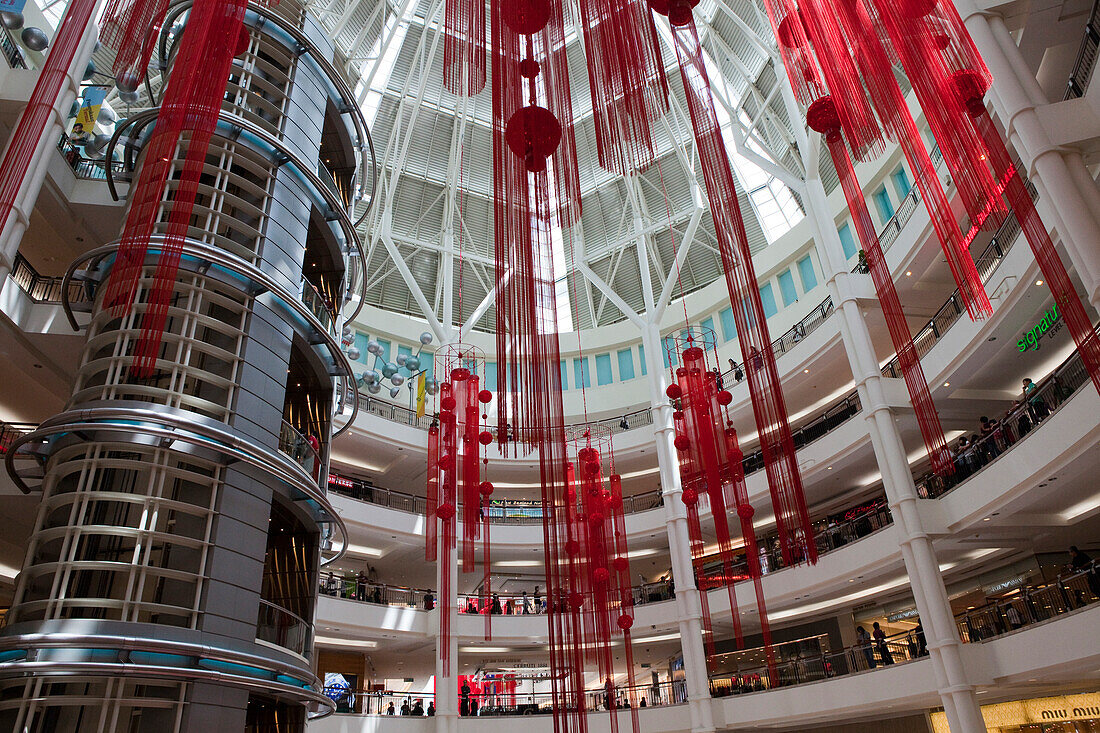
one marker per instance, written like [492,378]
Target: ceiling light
[365,551]
[947,384]
[1038,282]
[987,519]
[518,564]
[484,649]
[332,641]
[805,371]
[909,273]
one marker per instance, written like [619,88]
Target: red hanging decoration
[188,118]
[132,28]
[822,116]
[712,474]
[627,81]
[454,482]
[464,47]
[769,408]
[598,589]
[31,128]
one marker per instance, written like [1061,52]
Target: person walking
[880,642]
[495,609]
[431,709]
[390,710]
[538,600]
[863,643]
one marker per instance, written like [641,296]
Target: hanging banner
[421,391]
[89,108]
[12,6]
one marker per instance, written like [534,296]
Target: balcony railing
[296,445]
[278,626]
[318,304]
[42,288]
[1025,415]
[86,168]
[1083,67]
[10,50]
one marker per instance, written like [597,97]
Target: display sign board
[1010,715]
[12,6]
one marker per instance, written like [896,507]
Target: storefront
[1060,714]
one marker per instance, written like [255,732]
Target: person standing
[495,609]
[431,709]
[538,600]
[863,643]
[880,642]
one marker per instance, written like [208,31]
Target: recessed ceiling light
[947,384]
[1038,282]
[909,273]
[987,519]
[805,371]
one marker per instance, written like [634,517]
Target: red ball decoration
[533,133]
[484,396]
[243,39]
[572,547]
[485,437]
[595,519]
[601,575]
[916,8]
[745,511]
[448,403]
[620,564]
[822,115]
[460,374]
[446,461]
[625,622]
[529,68]
[689,497]
[445,511]
[587,454]
[525,17]
[789,27]
[486,489]
[592,469]
[971,87]
[678,11]
[724,397]
[682,442]
[673,391]
[678,415]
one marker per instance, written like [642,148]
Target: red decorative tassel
[191,104]
[31,127]
[823,117]
[132,28]
[464,47]
[784,479]
[627,81]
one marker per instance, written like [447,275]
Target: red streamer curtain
[825,120]
[464,47]
[598,590]
[187,120]
[32,124]
[131,28]
[627,81]
[454,480]
[711,473]
[769,408]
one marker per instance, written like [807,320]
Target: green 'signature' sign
[1049,323]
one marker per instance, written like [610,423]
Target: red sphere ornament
[592,469]
[595,519]
[486,489]
[789,29]
[678,11]
[678,415]
[724,397]
[526,16]
[689,497]
[822,115]
[601,575]
[485,437]
[572,547]
[576,600]
[587,454]
[971,88]
[916,8]
[625,622]
[745,511]
[529,68]
[243,40]
[448,403]
[533,133]
[484,396]
[445,511]
[460,374]
[620,564]
[673,391]
[446,461]
[682,442]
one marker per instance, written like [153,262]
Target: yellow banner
[89,108]
[421,393]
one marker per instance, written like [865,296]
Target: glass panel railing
[301,449]
[280,627]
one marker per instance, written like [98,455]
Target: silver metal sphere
[395,391]
[374,387]
[397,379]
[412,364]
[347,332]
[127,82]
[100,141]
[354,353]
[89,70]
[106,115]
[401,359]
[389,370]
[36,40]
[374,347]
[11,21]
[426,338]
[370,376]
[432,390]
[129,97]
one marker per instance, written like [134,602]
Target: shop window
[580,372]
[883,204]
[847,242]
[603,369]
[767,298]
[806,272]
[729,327]
[901,183]
[626,365]
[787,288]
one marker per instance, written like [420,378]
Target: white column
[688,606]
[446,686]
[956,693]
[1060,174]
[19,217]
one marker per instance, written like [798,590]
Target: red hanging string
[187,120]
[626,79]
[769,408]
[31,127]
[822,116]
[464,47]
[132,29]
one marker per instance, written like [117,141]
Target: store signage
[1036,710]
[1050,323]
[903,615]
[1006,585]
[335,480]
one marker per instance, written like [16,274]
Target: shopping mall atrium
[344,393]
